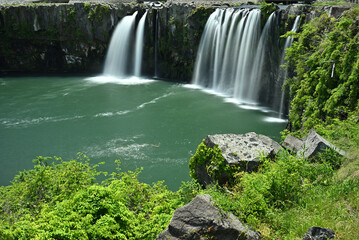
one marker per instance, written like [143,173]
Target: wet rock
[200,219]
[318,233]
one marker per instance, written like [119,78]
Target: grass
[334,207]
[330,3]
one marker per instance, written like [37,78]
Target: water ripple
[24,123]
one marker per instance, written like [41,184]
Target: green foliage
[326,64]
[97,13]
[277,185]
[200,15]
[266,10]
[87,6]
[330,3]
[60,200]
[216,166]
[287,196]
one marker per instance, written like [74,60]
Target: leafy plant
[61,200]
[211,159]
[326,65]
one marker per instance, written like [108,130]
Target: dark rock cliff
[73,37]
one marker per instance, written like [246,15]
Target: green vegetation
[289,195]
[97,13]
[266,10]
[326,63]
[214,163]
[331,3]
[60,200]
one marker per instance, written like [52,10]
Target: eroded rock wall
[73,37]
[57,37]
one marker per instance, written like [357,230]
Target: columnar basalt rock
[57,37]
[74,36]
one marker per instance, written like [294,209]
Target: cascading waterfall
[122,52]
[156,45]
[283,72]
[139,45]
[260,59]
[232,51]
[36,24]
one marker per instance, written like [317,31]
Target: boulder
[314,144]
[310,146]
[243,150]
[292,144]
[318,233]
[200,219]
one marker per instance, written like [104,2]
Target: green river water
[151,124]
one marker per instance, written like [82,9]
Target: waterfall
[232,51]
[36,24]
[118,53]
[156,44]
[261,58]
[124,55]
[139,45]
[283,72]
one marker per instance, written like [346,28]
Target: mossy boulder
[219,156]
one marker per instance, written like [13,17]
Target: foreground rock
[200,219]
[318,233]
[243,150]
[310,146]
[237,150]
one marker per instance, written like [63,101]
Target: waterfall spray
[231,53]
[156,45]
[139,45]
[116,63]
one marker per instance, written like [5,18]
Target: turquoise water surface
[145,123]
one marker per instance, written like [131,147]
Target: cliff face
[74,37]
[56,38]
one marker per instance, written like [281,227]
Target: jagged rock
[336,11]
[243,149]
[312,12]
[314,144]
[293,144]
[310,146]
[200,219]
[318,233]
[240,150]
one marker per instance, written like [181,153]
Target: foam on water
[120,81]
[24,123]
[275,120]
